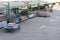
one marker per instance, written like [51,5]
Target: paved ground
[38,28]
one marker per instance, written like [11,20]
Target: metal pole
[8,12]
[38,5]
[27,8]
[28,5]
[8,7]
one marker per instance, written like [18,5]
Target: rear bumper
[11,28]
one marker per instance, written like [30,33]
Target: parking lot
[38,28]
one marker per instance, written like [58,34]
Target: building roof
[13,4]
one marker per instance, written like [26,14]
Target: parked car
[43,14]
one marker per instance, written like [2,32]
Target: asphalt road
[38,28]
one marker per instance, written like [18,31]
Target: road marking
[51,20]
[42,26]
